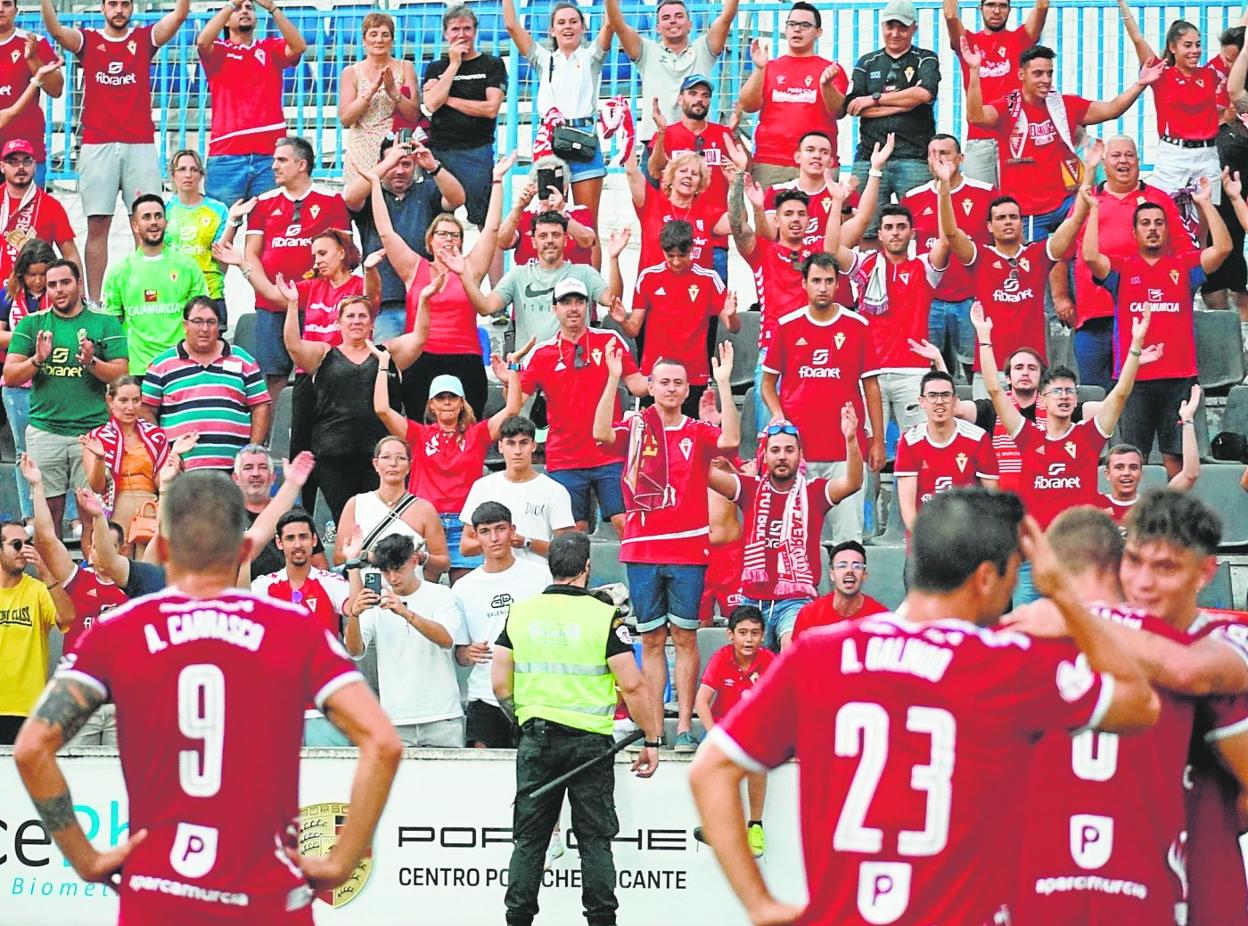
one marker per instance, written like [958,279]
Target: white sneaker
[555,849]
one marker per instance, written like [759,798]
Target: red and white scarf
[1020,133]
[794,576]
[645,483]
[615,117]
[111,438]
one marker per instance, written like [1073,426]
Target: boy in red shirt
[729,677]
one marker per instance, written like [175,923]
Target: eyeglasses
[204,322]
[188,169]
[20,161]
[854,567]
[17,545]
[799,26]
[781,428]
[1062,390]
[449,235]
[938,397]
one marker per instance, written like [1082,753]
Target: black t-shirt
[879,72]
[270,559]
[619,640]
[449,128]
[986,414]
[145,579]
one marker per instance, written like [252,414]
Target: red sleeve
[1056,689]
[91,662]
[629,364]
[329,668]
[303,288]
[986,458]
[1003,126]
[776,352]
[745,497]
[43,49]
[619,446]
[714,672]
[338,217]
[479,435]
[906,464]
[760,732]
[641,293]
[716,296]
[143,36]
[210,60]
[1076,108]
[805,617]
[415,435]
[870,360]
[62,229]
[754,259]
[531,375]
[277,53]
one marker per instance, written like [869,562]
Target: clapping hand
[981,322]
[970,55]
[615,360]
[721,366]
[227,254]
[299,469]
[289,291]
[504,166]
[1188,409]
[375,258]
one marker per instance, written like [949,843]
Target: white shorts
[845,520]
[1177,167]
[116,167]
[979,160]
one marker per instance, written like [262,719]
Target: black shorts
[1152,409]
[489,726]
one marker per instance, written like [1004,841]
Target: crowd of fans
[933,260]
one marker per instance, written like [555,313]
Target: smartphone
[372,582]
[548,177]
[405,136]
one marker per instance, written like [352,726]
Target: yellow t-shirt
[26,615]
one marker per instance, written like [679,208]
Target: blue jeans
[1040,226]
[389,322]
[596,166]
[1094,353]
[900,177]
[232,177]
[603,480]
[762,414]
[270,352]
[949,328]
[454,529]
[17,409]
[779,617]
[474,169]
[719,261]
[661,594]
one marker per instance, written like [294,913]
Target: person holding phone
[549,190]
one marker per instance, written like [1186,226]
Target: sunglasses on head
[774,429]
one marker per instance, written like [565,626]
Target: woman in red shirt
[453,346]
[685,179]
[449,446]
[1186,99]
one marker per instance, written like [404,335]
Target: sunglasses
[18,545]
[774,429]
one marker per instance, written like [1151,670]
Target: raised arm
[307,354]
[630,39]
[1062,241]
[515,28]
[1034,24]
[1105,110]
[1144,52]
[1219,249]
[846,485]
[213,27]
[47,538]
[482,253]
[855,227]
[395,423]
[1010,416]
[67,37]
[953,25]
[1113,404]
[231,256]
[977,111]
[403,259]
[1097,262]
[406,348]
[1185,478]
[907,499]
[721,25]
[31,92]
[604,412]
[750,97]
[169,24]
[295,474]
[1235,84]
[730,418]
[1232,186]
[509,228]
[637,182]
[510,378]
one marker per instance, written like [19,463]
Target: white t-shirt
[485,598]
[416,676]
[571,85]
[538,507]
[662,72]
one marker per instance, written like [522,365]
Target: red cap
[17,146]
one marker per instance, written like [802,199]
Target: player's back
[210,695]
[908,737]
[1102,837]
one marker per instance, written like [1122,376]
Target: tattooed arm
[66,704]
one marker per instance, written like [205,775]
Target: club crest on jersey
[315,210]
[261,56]
[1174,276]
[686,447]
[909,74]
[132,46]
[596,353]
[966,206]
[694,289]
[1069,447]
[14,56]
[961,459]
[1091,840]
[839,339]
[1025,263]
[320,825]
[808,80]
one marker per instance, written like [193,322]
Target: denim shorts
[231,177]
[596,166]
[270,350]
[603,480]
[661,593]
[454,529]
[779,618]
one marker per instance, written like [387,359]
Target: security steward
[555,669]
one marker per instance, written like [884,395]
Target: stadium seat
[1219,349]
[244,334]
[1091,394]
[1060,346]
[895,530]
[279,436]
[710,641]
[749,426]
[886,569]
[604,562]
[10,510]
[1218,593]
[1235,418]
[1219,488]
[495,399]
[744,349]
[964,391]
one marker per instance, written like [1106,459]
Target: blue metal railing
[181,103]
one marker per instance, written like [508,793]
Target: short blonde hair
[669,172]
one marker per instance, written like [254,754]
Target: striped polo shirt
[214,400]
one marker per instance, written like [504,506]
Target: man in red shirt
[942,454]
[784,515]
[1000,49]
[118,152]
[17,68]
[792,94]
[666,543]
[949,321]
[1038,129]
[1060,458]
[571,370]
[1156,279]
[1124,466]
[212,682]
[281,225]
[825,357]
[893,825]
[695,133]
[816,166]
[675,303]
[320,593]
[1091,309]
[245,87]
[847,568]
[27,210]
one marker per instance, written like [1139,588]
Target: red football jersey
[722,584]
[318,300]
[245,84]
[1220,67]
[964,459]
[1059,472]
[288,227]
[525,252]
[1187,107]
[322,595]
[445,464]
[1168,287]
[821,366]
[710,145]
[778,282]
[92,596]
[37,215]
[572,376]
[1036,165]
[209,693]
[970,207]
[819,208]
[1011,290]
[117,88]
[14,77]
[821,613]
[998,72]
[1116,509]
[730,681]
[1104,816]
[657,210]
[901,731]
[679,307]
[792,106]
[910,285]
[677,533]
[772,527]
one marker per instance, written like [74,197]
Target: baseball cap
[901,11]
[693,80]
[17,146]
[570,287]
[445,382]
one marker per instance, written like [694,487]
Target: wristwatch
[437,170]
[528,544]
[876,96]
[652,744]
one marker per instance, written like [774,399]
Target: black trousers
[1233,274]
[545,753]
[416,379]
[344,476]
[302,415]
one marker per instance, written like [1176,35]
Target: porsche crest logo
[319,826]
